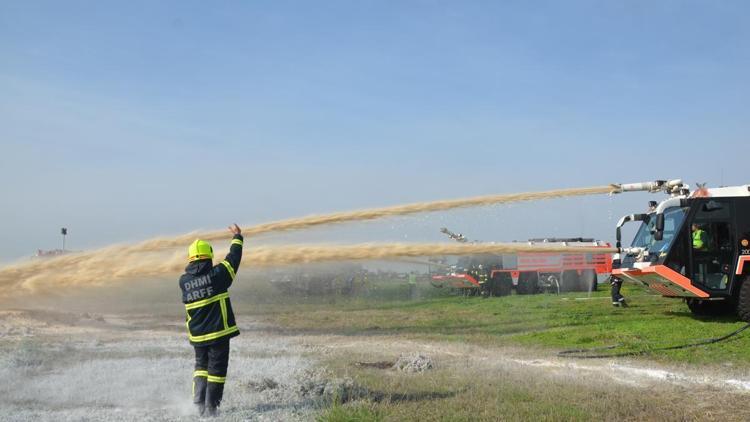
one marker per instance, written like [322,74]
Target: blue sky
[124,120]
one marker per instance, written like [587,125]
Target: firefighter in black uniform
[617,298]
[482,280]
[210,320]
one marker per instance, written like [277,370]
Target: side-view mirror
[659,226]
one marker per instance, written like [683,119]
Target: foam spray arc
[303,254]
[159,264]
[157,257]
[379,213]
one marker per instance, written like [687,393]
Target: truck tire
[743,300]
[528,283]
[502,284]
[701,307]
[570,281]
[589,281]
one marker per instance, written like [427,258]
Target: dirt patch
[262,385]
[525,384]
[627,372]
[338,390]
[383,364]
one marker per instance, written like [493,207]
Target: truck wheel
[502,284]
[710,307]
[588,281]
[571,282]
[743,301]
[528,283]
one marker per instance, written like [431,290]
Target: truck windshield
[673,218]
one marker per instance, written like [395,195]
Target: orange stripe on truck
[741,263]
[666,273]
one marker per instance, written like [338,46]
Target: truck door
[711,239]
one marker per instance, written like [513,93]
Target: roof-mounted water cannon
[458,237]
[674,188]
[671,187]
[677,188]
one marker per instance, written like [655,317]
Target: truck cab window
[711,245]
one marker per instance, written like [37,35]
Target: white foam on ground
[635,375]
[145,375]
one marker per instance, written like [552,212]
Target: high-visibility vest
[699,239]
[412,279]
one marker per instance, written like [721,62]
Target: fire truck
[530,273]
[693,245]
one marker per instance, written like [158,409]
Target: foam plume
[156,257]
[71,272]
[380,213]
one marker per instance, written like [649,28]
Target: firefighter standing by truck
[482,277]
[617,298]
[412,286]
[616,283]
[210,321]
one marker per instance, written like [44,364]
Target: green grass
[355,412]
[479,393]
[550,322]
[446,396]
[545,324]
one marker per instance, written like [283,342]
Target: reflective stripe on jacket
[208,309]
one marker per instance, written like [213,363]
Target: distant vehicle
[530,273]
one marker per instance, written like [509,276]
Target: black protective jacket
[204,292]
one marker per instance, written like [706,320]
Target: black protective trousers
[616,285]
[211,364]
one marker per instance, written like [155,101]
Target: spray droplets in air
[159,257]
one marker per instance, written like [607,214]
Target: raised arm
[232,262]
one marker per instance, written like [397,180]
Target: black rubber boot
[211,412]
[214,394]
[199,390]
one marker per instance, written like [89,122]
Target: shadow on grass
[721,319]
[380,396]
[491,329]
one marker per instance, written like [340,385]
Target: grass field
[542,324]
[495,359]
[552,322]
